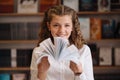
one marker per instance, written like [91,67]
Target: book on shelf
[115,5]
[95,28]
[85,27]
[5,58]
[104,5]
[33,30]
[87,5]
[12,31]
[117,31]
[45,4]
[5,76]
[6,6]
[74,4]
[108,28]
[5,33]
[117,56]
[19,76]
[115,1]
[94,52]
[105,56]
[24,57]
[17,29]
[27,6]
[13,58]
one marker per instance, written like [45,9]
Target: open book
[60,49]
[59,53]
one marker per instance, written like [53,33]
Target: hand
[77,69]
[43,66]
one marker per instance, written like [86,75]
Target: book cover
[33,30]
[115,5]
[29,31]
[19,76]
[85,27]
[5,58]
[13,58]
[104,5]
[17,29]
[108,28]
[45,4]
[117,30]
[5,31]
[27,6]
[5,76]
[94,52]
[105,56]
[95,28]
[117,56]
[6,6]
[24,57]
[87,5]
[74,4]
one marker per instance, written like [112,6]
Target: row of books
[91,28]
[22,57]
[105,56]
[97,28]
[15,57]
[35,6]
[93,5]
[13,76]
[19,31]
[26,6]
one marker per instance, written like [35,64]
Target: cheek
[69,30]
[53,32]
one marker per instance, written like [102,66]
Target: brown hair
[75,38]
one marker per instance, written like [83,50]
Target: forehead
[61,17]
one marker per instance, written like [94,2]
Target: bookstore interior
[20,21]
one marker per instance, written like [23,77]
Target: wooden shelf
[22,44]
[4,44]
[41,14]
[106,69]
[17,41]
[15,68]
[21,14]
[98,13]
[97,69]
[106,42]
[35,41]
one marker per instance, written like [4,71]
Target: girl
[61,21]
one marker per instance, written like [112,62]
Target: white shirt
[59,70]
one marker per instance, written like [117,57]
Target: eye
[55,25]
[67,25]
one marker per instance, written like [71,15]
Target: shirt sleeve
[36,56]
[87,65]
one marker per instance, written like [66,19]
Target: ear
[48,25]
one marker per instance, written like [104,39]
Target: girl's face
[61,26]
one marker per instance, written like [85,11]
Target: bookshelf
[30,44]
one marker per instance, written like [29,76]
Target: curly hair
[75,38]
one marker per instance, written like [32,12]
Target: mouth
[63,35]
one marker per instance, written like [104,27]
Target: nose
[61,29]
